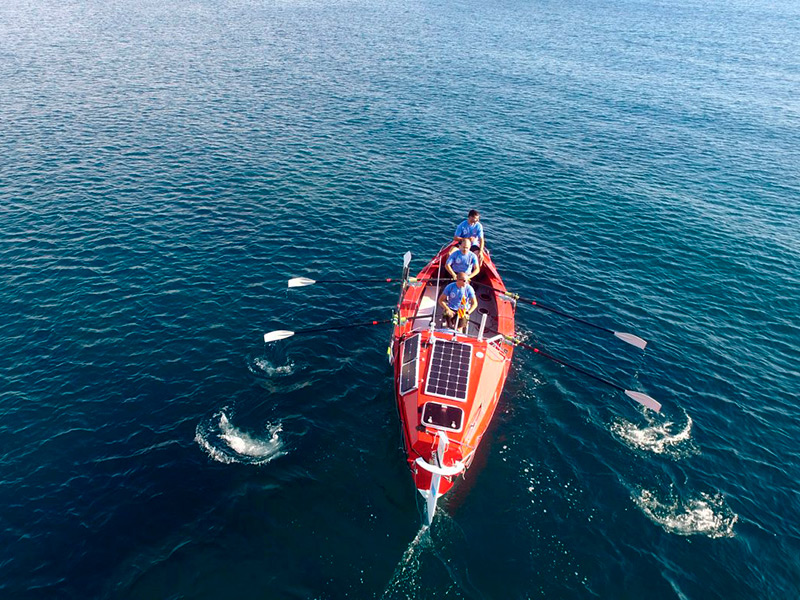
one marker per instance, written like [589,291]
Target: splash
[227,444]
[705,514]
[261,366]
[660,438]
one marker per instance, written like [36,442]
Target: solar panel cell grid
[410,348]
[410,368]
[448,375]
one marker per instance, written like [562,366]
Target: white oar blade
[406,259]
[278,334]
[301,282]
[634,340]
[644,400]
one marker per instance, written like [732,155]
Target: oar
[634,340]
[281,334]
[629,338]
[404,279]
[639,397]
[304,281]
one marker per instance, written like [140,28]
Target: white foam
[659,438]
[266,367]
[227,444]
[705,514]
[405,579]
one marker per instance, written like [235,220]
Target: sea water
[166,166]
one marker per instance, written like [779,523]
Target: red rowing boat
[448,384]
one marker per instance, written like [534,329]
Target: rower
[458,301]
[463,260]
[472,230]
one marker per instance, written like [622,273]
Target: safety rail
[457,468]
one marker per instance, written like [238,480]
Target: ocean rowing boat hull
[448,385]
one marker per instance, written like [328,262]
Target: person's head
[463,245]
[473,217]
[461,279]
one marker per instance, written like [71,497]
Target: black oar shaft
[563,314]
[548,308]
[384,280]
[570,366]
[364,324]
[347,326]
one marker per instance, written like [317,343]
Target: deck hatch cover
[409,370]
[448,375]
[442,416]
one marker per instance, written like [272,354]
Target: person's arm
[477,268]
[448,267]
[473,304]
[480,255]
[443,304]
[458,235]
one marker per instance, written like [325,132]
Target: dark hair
[474,213]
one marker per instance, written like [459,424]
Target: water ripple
[166,166]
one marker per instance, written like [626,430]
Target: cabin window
[409,369]
[442,416]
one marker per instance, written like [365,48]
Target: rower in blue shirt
[472,230]
[458,301]
[463,261]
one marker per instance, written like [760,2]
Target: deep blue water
[166,166]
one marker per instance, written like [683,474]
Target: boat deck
[486,306]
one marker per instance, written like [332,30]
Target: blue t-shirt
[473,232]
[463,263]
[455,295]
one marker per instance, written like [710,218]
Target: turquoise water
[166,166]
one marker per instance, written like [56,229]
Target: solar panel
[448,375]
[409,371]
[410,348]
